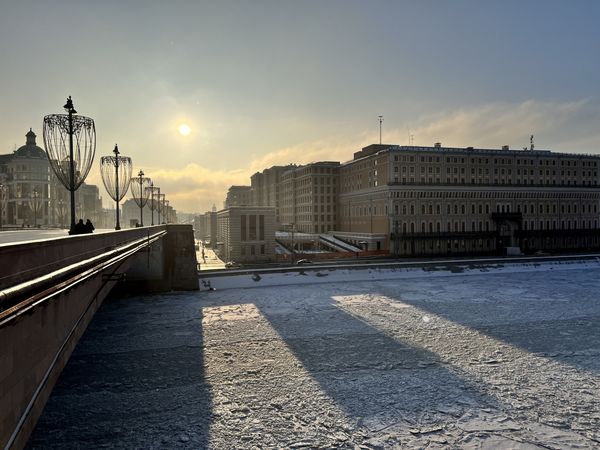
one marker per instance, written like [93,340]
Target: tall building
[238,196]
[27,176]
[439,200]
[34,195]
[309,197]
[246,233]
[266,189]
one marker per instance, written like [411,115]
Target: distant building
[238,196]
[309,197]
[246,234]
[205,228]
[89,203]
[266,189]
[438,200]
[27,175]
[131,213]
[34,194]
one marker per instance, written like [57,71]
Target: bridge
[50,290]
[381,355]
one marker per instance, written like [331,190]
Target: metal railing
[21,297]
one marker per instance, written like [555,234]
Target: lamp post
[116,176]
[158,206]
[71,165]
[167,210]
[152,190]
[139,191]
[163,208]
[3,189]
[34,199]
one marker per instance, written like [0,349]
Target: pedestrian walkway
[210,261]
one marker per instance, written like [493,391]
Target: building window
[252,228]
[261,228]
[243,227]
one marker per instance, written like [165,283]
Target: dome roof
[30,149]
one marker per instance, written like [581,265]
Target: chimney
[438,145]
[505,147]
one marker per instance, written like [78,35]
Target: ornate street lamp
[161,198]
[3,189]
[70,162]
[116,176]
[153,203]
[34,205]
[158,205]
[140,192]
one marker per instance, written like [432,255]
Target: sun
[184,129]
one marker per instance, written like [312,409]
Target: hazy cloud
[564,127]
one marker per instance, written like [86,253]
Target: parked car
[232,265]
[301,262]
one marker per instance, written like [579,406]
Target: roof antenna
[380,122]
[531,142]
[411,137]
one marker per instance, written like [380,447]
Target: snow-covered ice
[498,358]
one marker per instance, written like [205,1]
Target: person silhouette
[89,227]
[79,227]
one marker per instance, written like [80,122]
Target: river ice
[499,359]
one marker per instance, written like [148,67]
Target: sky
[275,82]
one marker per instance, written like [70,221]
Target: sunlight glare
[184,129]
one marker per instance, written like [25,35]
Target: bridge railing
[29,260]
[50,291]
[20,297]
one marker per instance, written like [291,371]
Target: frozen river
[505,360]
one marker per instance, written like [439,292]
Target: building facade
[246,234]
[28,181]
[438,200]
[33,196]
[238,196]
[309,197]
[266,188]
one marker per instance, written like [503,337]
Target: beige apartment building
[309,197]
[246,234]
[265,188]
[238,196]
[439,200]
